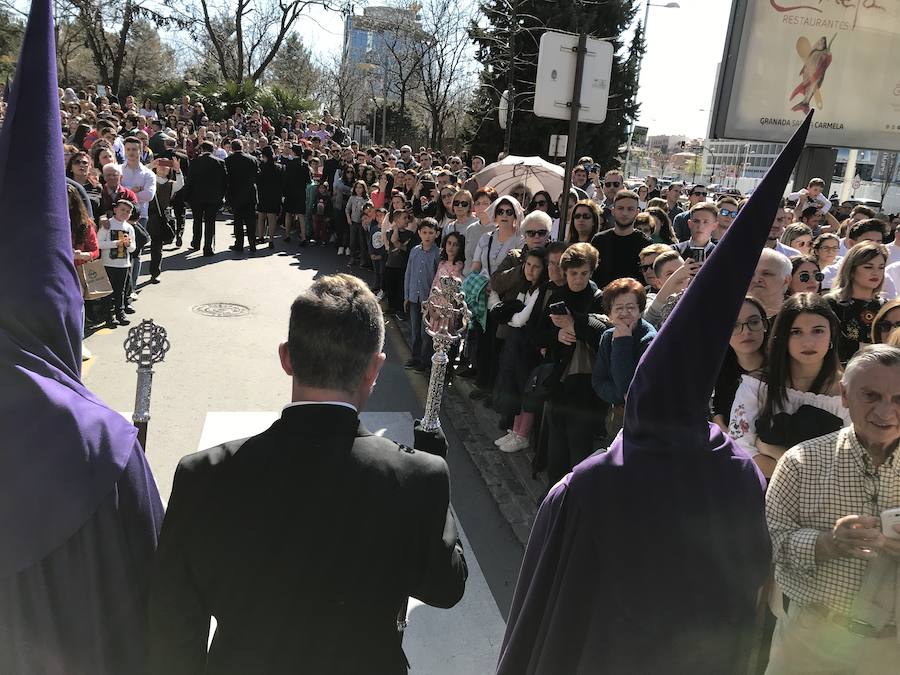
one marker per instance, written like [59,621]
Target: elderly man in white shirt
[141,180]
[836,549]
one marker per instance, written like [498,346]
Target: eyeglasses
[505,212]
[540,202]
[754,324]
[612,183]
[457,202]
[728,213]
[646,268]
[806,276]
[581,215]
[886,327]
[536,233]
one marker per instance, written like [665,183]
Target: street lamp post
[648,5]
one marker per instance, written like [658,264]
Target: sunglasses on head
[536,233]
[505,212]
[612,183]
[457,202]
[728,212]
[806,276]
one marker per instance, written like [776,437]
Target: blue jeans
[422,346]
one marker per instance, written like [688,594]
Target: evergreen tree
[531,134]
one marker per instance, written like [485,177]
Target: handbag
[540,386]
[94,280]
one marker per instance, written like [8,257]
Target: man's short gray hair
[535,218]
[112,167]
[884,355]
[336,327]
[780,259]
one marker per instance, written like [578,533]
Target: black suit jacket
[242,171]
[207,181]
[303,542]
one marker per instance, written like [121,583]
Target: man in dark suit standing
[305,540]
[206,187]
[241,194]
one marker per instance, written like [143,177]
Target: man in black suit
[241,194]
[206,187]
[305,540]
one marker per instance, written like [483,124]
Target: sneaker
[503,439]
[515,444]
[178,241]
[133,297]
[129,309]
[154,280]
[122,320]
[111,323]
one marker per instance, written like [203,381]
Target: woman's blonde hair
[861,253]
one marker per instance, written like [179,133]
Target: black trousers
[244,221]
[118,279]
[487,356]
[392,284]
[574,416]
[177,204]
[204,225]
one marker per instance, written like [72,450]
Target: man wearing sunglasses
[613,181]
[696,195]
[727,208]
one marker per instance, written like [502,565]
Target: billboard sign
[783,57]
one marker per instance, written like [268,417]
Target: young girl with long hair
[797,396]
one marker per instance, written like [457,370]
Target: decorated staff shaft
[446,317]
[146,345]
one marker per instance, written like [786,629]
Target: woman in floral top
[855,296]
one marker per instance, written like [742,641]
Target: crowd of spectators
[563,308]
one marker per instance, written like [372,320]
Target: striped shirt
[815,484]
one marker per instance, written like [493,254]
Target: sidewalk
[507,475]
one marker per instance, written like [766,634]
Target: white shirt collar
[340,403]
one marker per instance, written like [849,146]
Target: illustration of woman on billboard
[816,60]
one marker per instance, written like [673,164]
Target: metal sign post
[574,107]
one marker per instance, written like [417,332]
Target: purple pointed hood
[668,402]
[62,450]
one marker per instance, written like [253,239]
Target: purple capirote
[648,557]
[79,510]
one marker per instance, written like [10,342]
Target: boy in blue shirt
[420,271]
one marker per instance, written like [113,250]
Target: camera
[559,308]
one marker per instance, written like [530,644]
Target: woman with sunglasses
[805,275]
[746,354]
[886,326]
[79,169]
[855,295]
[444,210]
[798,236]
[462,212]
[542,202]
[585,222]
[797,397]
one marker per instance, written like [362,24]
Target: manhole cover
[225,309]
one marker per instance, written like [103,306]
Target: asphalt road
[230,364]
